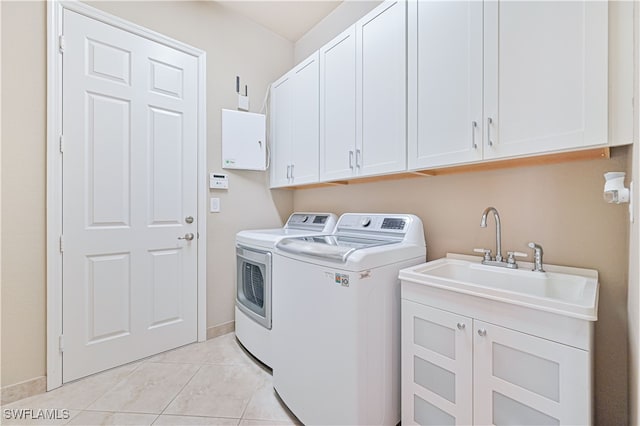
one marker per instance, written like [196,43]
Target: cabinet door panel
[436,366]
[381,63]
[545,76]
[281,130]
[522,379]
[338,107]
[305,143]
[445,83]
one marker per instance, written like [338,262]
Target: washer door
[253,284]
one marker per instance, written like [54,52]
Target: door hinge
[61,343]
[61,44]
[61,144]
[61,244]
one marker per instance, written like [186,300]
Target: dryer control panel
[317,222]
[399,227]
[373,223]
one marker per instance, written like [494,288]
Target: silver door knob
[461,326]
[188,219]
[189,236]
[482,332]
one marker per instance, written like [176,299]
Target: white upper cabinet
[545,76]
[281,136]
[505,79]
[294,125]
[445,82]
[363,97]
[338,107]
[381,91]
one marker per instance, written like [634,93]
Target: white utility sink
[566,291]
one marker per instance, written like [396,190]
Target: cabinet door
[520,379]
[338,107]
[436,366]
[545,76]
[305,143]
[281,130]
[445,83]
[381,63]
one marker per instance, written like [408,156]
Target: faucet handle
[511,256]
[487,253]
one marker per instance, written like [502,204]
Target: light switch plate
[214,206]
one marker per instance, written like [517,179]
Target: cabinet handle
[288,170]
[460,326]
[292,166]
[474,126]
[482,332]
[358,155]
[489,123]
[351,159]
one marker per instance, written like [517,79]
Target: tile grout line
[116,384]
[181,389]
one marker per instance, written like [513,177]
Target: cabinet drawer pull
[489,123]
[292,166]
[288,171]
[358,155]
[474,126]
[460,326]
[482,332]
[351,159]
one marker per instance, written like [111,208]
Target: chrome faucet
[483,224]
[537,257]
[510,262]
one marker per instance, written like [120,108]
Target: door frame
[55,10]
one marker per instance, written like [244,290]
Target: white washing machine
[336,340]
[254,282]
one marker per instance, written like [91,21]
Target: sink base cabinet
[523,379]
[458,370]
[436,366]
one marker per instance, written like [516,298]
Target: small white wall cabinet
[460,370]
[363,97]
[294,125]
[505,79]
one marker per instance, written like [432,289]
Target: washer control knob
[365,222]
[305,219]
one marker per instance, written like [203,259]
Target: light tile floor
[211,383]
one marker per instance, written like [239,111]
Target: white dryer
[336,340]
[254,283]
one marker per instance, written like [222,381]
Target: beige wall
[341,18]
[559,206]
[0,192]
[23,191]
[234,46]
[633,299]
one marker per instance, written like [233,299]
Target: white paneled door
[129,197]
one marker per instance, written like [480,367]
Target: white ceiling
[290,18]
